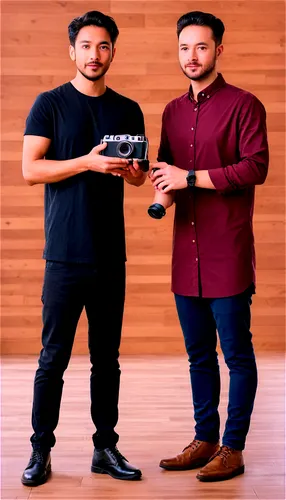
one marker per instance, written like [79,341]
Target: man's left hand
[133,174]
[168,177]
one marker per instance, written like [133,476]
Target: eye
[104,47]
[184,48]
[202,48]
[85,46]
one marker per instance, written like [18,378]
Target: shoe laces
[38,456]
[116,454]
[193,445]
[224,452]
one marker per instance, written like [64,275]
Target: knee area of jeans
[104,365]
[103,354]
[56,362]
[52,371]
[207,359]
[237,348]
[204,367]
[241,360]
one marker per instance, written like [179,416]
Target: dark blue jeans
[200,318]
[68,288]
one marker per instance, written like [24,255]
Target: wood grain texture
[156,421]
[35,59]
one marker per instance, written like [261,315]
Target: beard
[204,74]
[94,78]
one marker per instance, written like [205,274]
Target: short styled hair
[92,18]
[197,18]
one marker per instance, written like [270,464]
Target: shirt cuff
[219,180]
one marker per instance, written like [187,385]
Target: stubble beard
[208,70]
[95,77]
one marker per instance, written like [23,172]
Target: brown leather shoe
[225,464]
[196,454]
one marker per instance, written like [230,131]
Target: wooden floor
[155,422]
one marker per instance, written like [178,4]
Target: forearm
[252,167]
[203,180]
[245,174]
[49,171]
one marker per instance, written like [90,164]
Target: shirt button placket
[193,132]
[196,257]
[194,129]
[192,152]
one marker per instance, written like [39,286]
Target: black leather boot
[110,461]
[38,469]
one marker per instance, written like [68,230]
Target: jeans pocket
[53,265]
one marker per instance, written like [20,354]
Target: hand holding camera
[106,165]
[130,147]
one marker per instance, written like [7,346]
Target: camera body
[131,147]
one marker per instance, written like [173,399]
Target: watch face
[191,178]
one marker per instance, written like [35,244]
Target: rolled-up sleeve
[253,150]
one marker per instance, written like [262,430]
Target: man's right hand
[104,164]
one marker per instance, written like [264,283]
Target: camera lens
[156,211]
[124,149]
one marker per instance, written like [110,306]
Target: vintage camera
[131,147]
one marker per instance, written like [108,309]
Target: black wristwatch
[191,178]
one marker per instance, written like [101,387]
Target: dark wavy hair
[93,18]
[197,18]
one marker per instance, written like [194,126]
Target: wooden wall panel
[35,59]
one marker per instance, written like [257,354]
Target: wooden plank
[156,421]
[145,69]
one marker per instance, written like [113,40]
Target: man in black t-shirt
[85,240]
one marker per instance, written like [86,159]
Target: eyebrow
[200,43]
[104,42]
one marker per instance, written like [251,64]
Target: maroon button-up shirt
[224,132]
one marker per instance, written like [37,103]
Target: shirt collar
[206,93]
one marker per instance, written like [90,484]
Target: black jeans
[68,288]
[230,316]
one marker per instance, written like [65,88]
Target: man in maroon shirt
[213,152]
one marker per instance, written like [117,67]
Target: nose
[94,54]
[193,55]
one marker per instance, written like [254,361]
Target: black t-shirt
[84,220]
